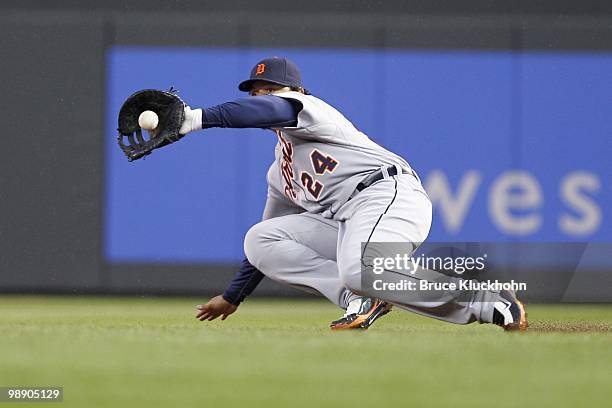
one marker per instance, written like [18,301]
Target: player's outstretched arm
[215,307]
[262,112]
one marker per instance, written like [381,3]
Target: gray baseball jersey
[320,161]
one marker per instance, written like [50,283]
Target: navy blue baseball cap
[275,70]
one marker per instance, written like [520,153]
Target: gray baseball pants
[316,254]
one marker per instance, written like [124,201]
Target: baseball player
[330,189]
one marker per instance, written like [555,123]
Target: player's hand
[215,307]
[192,121]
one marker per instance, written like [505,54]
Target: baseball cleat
[361,313]
[510,314]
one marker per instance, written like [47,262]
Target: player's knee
[259,244]
[254,244]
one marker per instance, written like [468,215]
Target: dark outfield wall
[53,67]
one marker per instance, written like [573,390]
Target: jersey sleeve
[267,111]
[316,121]
[243,284]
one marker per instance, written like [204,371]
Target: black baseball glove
[171,112]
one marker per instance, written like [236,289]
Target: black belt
[379,175]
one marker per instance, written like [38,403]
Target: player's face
[264,88]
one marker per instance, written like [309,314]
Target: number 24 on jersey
[320,164]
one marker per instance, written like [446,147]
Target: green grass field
[144,352]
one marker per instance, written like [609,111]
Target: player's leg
[299,250]
[398,210]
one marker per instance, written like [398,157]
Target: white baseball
[148,120]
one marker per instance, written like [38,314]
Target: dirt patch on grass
[569,327]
